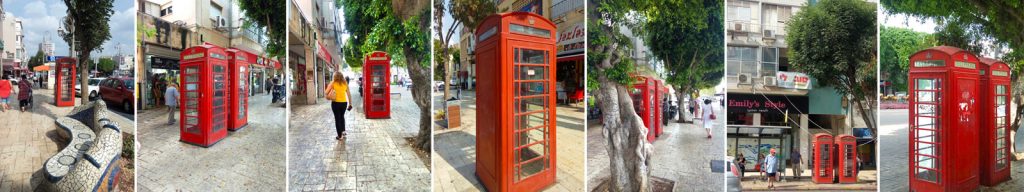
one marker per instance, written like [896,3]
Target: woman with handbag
[708,116]
[337,93]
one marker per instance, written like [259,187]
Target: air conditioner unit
[738,27]
[769,34]
[769,81]
[223,22]
[745,79]
[216,22]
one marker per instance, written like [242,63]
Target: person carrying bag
[339,102]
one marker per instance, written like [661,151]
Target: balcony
[562,8]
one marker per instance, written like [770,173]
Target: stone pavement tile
[755,182]
[373,156]
[454,153]
[681,154]
[249,159]
[29,138]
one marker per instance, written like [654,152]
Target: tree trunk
[869,119]
[684,111]
[83,77]
[624,132]
[420,76]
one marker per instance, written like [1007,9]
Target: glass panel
[527,30]
[926,96]
[927,84]
[824,159]
[1000,89]
[531,104]
[927,175]
[531,88]
[531,136]
[927,109]
[536,166]
[531,73]
[531,120]
[530,56]
[848,161]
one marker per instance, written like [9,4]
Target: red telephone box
[644,103]
[847,153]
[377,72]
[204,95]
[658,95]
[515,139]
[995,153]
[823,157]
[944,100]
[238,63]
[665,95]
[64,91]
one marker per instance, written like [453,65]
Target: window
[166,11]
[740,11]
[215,13]
[926,127]
[769,61]
[742,60]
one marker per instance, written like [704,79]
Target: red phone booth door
[823,150]
[924,135]
[65,78]
[1001,151]
[379,96]
[966,134]
[220,97]
[241,100]
[847,158]
[533,152]
[190,101]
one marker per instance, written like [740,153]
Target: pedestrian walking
[269,85]
[742,161]
[171,97]
[24,93]
[770,166]
[708,116]
[795,159]
[5,93]
[338,93]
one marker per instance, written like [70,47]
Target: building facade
[314,50]
[770,104]
[174,25]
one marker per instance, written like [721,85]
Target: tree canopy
[896,46]
[269,15]
[107,65]
[38,59]
[694,60]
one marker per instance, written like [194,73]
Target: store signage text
[571,39]
[757,103]
[793,80]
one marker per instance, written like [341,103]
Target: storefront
[757,123]
[162,66]
[570,59]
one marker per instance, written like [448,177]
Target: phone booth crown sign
[64,91]
[377,72]
[204,98]
[944,133]
[516,74]
[995,140]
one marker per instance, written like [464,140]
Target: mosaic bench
[88,163]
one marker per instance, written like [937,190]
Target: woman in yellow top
[339,105]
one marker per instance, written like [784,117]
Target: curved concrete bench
[88,163]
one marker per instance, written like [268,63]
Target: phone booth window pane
[928,84]
[530,136]
[530,56]
[531,72]
[532,104]
[823,158]
[531,120]
[927,96]
[927,175]
[848,162]
[1000,89]
[538,154]
[241,92]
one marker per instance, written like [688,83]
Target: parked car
[118,91]
[732,176]
[94,87]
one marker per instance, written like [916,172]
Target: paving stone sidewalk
[375,156]
[683,154]
[867,181]
[250,159]
[29,138]
[454,153]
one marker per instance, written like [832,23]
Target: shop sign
[757,103]
[793,80]
[571,39]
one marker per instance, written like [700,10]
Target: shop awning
[41,68]
[758,130]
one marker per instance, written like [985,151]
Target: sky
[447,22]
[905,21]
[41,18]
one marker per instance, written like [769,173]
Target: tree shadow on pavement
[459,150]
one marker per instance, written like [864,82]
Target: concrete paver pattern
[250,159]
[375,156]
[29,138]
[683,154]
[454,153]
